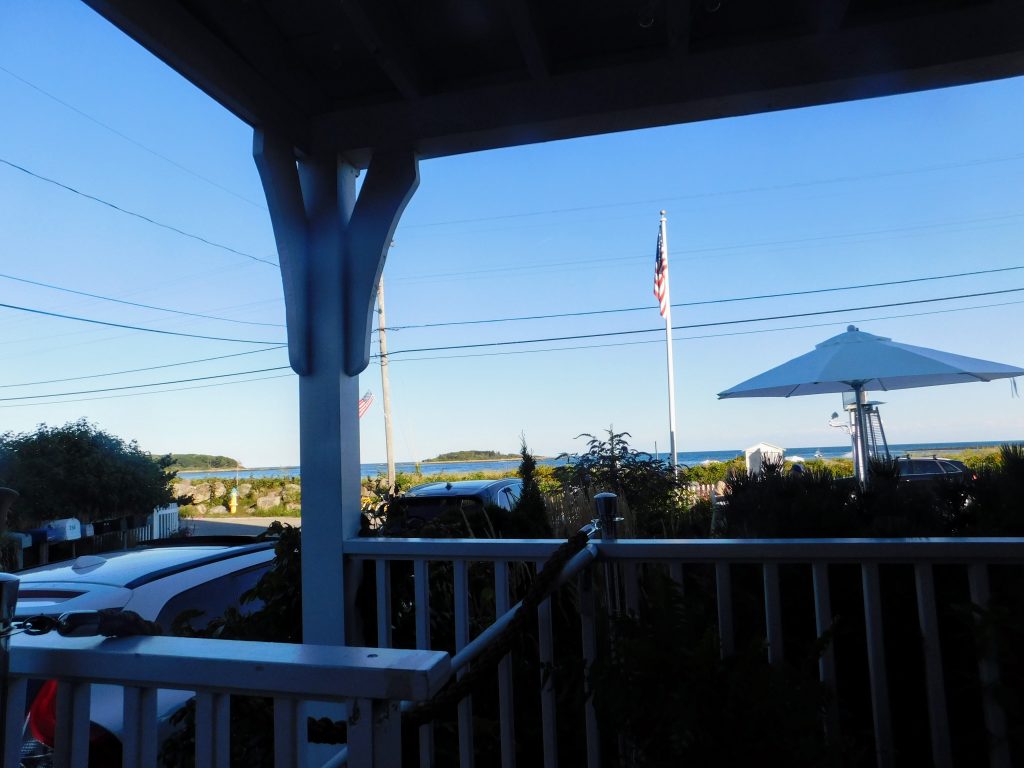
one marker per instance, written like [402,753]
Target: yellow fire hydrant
[233,501]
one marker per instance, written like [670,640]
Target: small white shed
[757,454]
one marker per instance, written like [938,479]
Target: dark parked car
[935,468]
[424,503]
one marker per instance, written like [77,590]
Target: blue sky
[883,190]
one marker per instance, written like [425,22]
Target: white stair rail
[372,680]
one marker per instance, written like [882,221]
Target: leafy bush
[715,471]
[663,685]
[81,471]
[647,488]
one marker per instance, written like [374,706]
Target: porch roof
[443,78]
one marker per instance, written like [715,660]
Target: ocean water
[688,458]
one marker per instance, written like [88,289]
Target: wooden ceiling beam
[530,45]
[387,49]
[935,50]
[677,19]
[171,33]
[828,15]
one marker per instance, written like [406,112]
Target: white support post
[332,245]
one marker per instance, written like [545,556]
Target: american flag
[364,403]
[661,275]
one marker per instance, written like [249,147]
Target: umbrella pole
[860,449]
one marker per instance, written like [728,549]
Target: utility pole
[385,385]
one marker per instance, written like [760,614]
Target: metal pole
[8,601]
[385,384]
[860,454]
[608,519]
[668,350]
[607,515]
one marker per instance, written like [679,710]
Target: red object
[42,715]
[104,748]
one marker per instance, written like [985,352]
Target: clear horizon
[908,190]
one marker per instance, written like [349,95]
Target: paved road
[234,526]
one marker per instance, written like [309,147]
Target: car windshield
[429,507]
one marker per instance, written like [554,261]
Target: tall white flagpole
[666,302]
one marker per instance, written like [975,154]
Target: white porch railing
[372,681]
[377,679]
[819,560]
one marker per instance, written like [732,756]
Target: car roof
[459,487]
[133,567]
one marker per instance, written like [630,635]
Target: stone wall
[262,496]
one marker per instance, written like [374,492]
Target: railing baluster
[773,613]
[675,570]
[988,673]
[383,573]
[12,690]
[588,624]
[213,730]
[938,719]
[547,691]
[827,661]
[461,586]
[631,577]
[71,742]
[506,709]
[139,741]
[13,722]
[876,664]
[286,733]
[723,593]
[421,585]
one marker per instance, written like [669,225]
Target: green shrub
[79,470]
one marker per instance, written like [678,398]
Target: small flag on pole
[364,403]
[661,275]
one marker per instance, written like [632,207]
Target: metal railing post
[608,520]
[8,600]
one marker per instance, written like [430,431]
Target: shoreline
[897,449]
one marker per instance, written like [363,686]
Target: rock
[219,489]
[181,488]
[245,489]
[292,506]
[220,509]
[200,509]
[266,502]
[200,493]
[292,491]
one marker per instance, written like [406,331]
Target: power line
[703,325]
[577,263]
[143,394]
[707,335]
[142,370]
[136,304]
[141,216]
[710,301]
[728,192]
[505,352]
[130,140]
[134,327]
[142,386]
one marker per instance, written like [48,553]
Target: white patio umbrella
[857,362]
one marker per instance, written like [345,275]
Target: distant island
[472,456]
[193,461]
